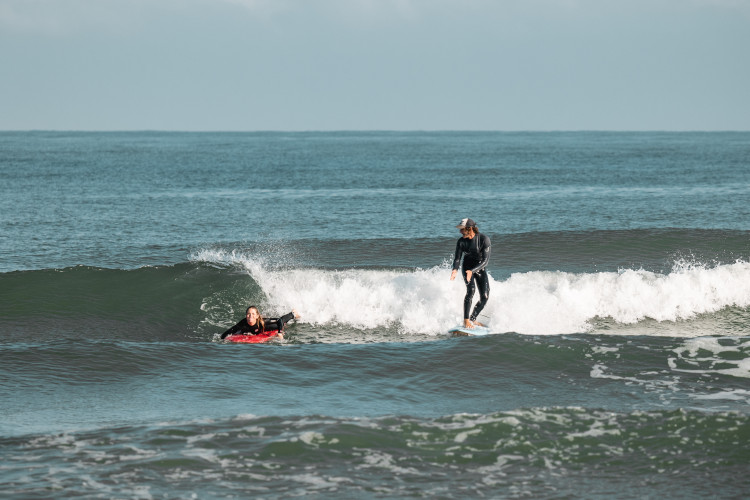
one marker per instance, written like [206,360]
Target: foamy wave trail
[479,455]
[425,301]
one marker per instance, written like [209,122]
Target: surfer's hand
[296,314]
[468,275]
[453,275]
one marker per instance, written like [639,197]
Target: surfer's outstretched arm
[286,319]
[236,328]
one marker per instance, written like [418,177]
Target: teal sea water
[619,366]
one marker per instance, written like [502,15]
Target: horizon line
[375,130]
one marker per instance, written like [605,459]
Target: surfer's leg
[484,293]
[470,287]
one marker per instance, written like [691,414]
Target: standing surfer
[474,247]
[254,324]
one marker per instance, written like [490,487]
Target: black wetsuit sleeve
[484,253]
[235,329]
[278,323]
[457,257]
[284,320]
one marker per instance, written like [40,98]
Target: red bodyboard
[252,339]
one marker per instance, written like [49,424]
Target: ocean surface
[619,366]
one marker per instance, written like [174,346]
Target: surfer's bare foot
[477,323]
[468,323]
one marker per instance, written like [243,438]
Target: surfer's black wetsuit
[271,324]
[476,254]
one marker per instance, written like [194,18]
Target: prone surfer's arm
[283,321]
[287,318]
[236,328]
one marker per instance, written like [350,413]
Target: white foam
[556,302]
[708,355]
[383,460]
[733,395]
[537,302]
[598,429]
[462,436]
[201,437]
[90,482]
[201,453]
[317,482]
[312,438]
[138,454]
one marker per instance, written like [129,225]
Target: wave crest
[537,302]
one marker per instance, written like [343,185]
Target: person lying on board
[254,324]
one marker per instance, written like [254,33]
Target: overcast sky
[375,65]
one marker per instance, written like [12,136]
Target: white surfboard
[462,330]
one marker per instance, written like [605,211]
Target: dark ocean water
[620,299]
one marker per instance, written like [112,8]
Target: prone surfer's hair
[260,318]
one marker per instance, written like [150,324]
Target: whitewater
[532,303]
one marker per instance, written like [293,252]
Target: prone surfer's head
[253,315]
